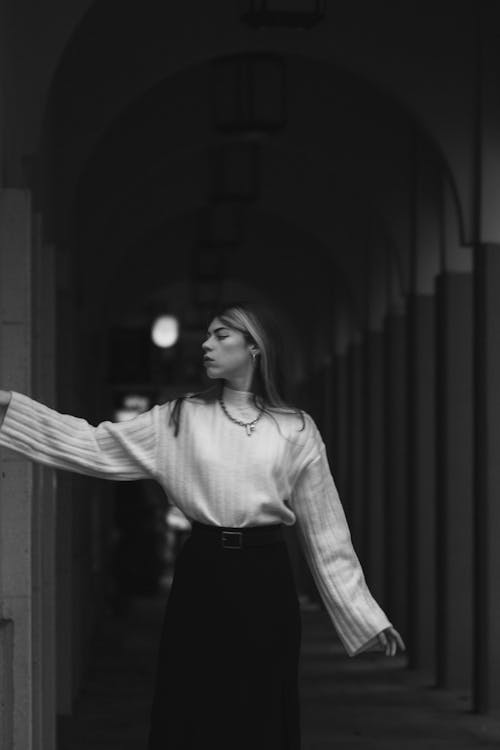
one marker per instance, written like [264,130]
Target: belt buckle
[232,540]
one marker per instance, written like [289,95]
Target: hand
[389,640]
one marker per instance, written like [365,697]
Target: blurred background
[340,161]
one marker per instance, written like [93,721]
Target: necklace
[249,426]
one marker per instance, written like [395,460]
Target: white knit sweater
[217,474]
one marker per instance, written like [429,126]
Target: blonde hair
[260,326]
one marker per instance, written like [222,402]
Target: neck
[229,386]
[236,396]
[243,383]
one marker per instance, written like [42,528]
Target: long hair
[260,326]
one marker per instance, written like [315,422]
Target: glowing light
[165,331]
[137,402]
[133,405]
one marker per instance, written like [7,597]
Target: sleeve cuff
[371,644]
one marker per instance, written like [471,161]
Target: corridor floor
[366,703]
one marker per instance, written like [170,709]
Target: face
[228,350]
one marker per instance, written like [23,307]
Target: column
[44,498]
[16,476]
[67,582]
[486,229]
[487,479]
[374,534]
[396,512]
[421,637]
[454,479]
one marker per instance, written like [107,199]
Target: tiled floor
[366,703]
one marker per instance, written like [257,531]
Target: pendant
[250,429]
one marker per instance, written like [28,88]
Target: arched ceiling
[326,214]
[96,58]
[159,40]
[340,172]
[130,128]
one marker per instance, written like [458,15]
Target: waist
[229,538]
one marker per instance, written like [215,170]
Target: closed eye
[217,337]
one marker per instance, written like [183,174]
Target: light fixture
[220,224]
[249,94]
[235,171]
[165,331]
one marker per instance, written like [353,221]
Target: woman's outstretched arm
[326,540]
[122,450]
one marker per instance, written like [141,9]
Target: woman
[241,464]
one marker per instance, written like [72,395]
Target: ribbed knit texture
[215,473]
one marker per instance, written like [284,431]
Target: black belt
[228,537]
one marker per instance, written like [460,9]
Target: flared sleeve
[327,545]
[112,450]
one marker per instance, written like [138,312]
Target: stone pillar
[67,582]
[374,534]
[6,683]
[487,479]
[421,636]
[77,598]
[396,512]
[454,480]
[44,498]
[485,228]
[17,566]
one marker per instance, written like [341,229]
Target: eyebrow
[220,328]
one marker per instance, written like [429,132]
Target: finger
[395,637]
[399,640]
[382,638]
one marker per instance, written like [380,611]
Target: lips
[207,359]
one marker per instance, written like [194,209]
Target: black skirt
[227,674]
